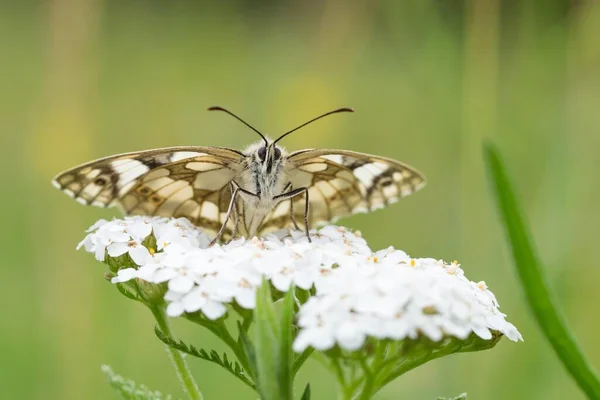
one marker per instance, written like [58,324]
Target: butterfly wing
[341,183]
[191,182]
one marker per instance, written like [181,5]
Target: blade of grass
[534,281]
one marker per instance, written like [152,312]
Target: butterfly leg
[288,186]
[230,209]
[292,215]
[236,221]
[290,195]
[227,216]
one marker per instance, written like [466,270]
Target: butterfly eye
[262,153]
[277,153]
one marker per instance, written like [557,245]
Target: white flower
[118,237]
[396,297]
[358,293]
[138,253]
[204,297]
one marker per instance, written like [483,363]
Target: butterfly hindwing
[341,183]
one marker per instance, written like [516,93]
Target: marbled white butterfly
[252,192]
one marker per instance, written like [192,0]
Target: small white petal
[281,282]
[117,249]
[114,236]
[97,225]
[87,243]
[163,275]
[99,252]
[194,300]
[173,296]
[482,332]
[350,337]
[124,275]
[140,229]
[181,284]
[246,298]
[511,332]
[213,310]
[139,255]
[175,309]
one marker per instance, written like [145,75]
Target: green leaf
[286,336]
[129,390]
[232,367]
[534,280]
[249,350]
[267,348]
[306,393]
[300,359]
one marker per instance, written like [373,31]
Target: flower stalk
[184,374]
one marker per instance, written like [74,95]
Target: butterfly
[229,192]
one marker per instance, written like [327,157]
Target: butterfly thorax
[264,177]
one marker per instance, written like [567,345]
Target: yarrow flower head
[353,293]
[393,296]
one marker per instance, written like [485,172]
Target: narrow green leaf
[265,309]
[285,359]
[306,393]
[300,359]
[249,350]
[266,343]
[232,367]
[534,281]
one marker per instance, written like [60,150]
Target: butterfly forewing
[191,182]
[341,183]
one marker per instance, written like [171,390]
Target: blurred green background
[430,80]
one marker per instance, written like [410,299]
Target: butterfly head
[267,155]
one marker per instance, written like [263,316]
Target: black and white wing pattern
[191,182]
[341,183]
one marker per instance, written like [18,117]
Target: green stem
[341,379]
[353,387]
[299,361]
[183,371]
[367,391]
[247,322]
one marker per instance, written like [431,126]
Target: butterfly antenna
[339,110]
[217,108]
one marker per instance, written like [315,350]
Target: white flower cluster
[358,293]
[393,296]
[126,235]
